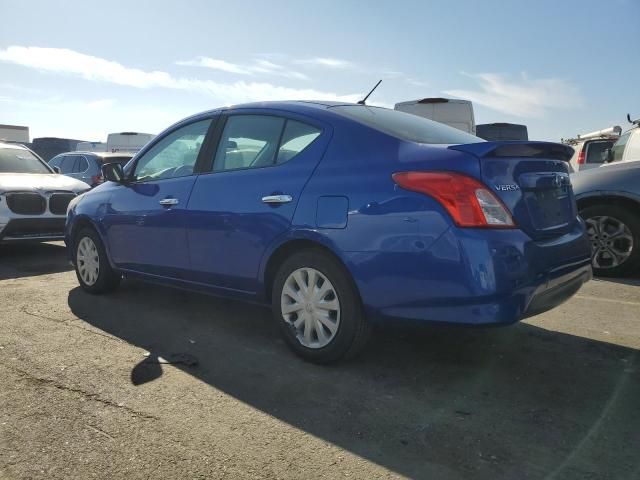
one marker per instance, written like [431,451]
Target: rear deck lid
[532,179]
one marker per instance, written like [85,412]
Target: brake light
[469,202]
[97,179]
[581,156]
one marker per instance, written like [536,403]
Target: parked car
[87,166]
[338,215]
[33,198]
[627,147]
[590,149]
[609,201]
[502,131]
[455,113]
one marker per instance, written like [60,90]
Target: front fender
[89,211]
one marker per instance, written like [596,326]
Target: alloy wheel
[611,241]
[310,305]
[88,261]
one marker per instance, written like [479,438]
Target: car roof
[17,146]
[292,104]
[100,154]
[295,106]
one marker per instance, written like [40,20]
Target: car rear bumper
[473,277]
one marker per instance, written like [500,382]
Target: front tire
[614,233]
[93,270]
[318,309]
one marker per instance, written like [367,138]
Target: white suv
[33,197]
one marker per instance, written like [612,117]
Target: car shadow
[19,260]
[516,402]
[633,280]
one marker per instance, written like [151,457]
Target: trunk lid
[532,180]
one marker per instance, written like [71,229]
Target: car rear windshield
[18,160]
[119,159]
[595,151]
[405,125]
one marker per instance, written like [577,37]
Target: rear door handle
[168,202]
[277,199]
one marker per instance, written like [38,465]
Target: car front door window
[173,156]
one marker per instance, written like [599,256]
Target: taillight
[581,157]
[469,202]
[96,179]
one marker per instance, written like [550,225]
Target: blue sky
[82,69]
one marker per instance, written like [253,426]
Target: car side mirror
[607,155]
[113,172]
[56,169]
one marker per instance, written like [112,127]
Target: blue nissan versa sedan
[338,215]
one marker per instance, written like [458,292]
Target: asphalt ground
[84,392]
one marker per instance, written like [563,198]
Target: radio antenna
[362,102]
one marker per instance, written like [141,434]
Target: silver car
[609,201]
[33,197]
[87,166]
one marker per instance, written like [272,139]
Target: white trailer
[91,147]
[14,133]
[127,141]
[455,113]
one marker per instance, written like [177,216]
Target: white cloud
[417,83]
[215,64]
[70,62]
[258,67]
[523,97]
[329,62]
[57,116]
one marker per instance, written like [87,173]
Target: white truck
[455,113]
[627,147]
[590,148]
[127,141]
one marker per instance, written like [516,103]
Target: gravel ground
[556,396]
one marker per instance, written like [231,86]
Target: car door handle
[277,199]
[168,202]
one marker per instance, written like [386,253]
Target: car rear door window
[68,164]
[248,141]
[175,155]
[81,165]
[296,137]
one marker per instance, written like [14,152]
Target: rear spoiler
[549,150]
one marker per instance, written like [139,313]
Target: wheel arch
[290,245]
[85,221]
[608,198]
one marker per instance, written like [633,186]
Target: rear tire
[93,269]
[318,309]
[614,232]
